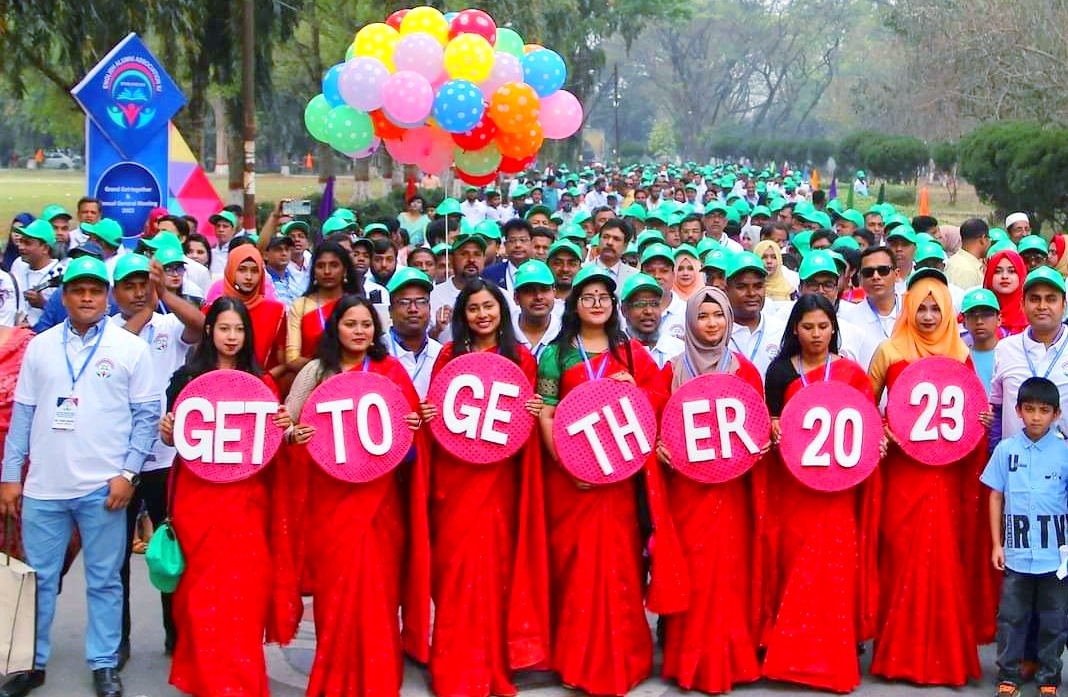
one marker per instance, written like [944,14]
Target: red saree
[712,646]
[490,567]
[821,582]
[927,620]
[11,353]
[268,331]
[312,325]
[601,639]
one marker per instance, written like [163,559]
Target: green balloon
[350,50]
[509,41]
[479,162]
[349,129]
[315,115]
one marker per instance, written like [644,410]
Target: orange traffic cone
[815,179]
[925,205]
[309,163]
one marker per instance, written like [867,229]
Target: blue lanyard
[1056,357]
[879,318]
[322,320]
[70,368]
[826,370]
[589,365]
[724,363]
[366,363]
[420,363]
[759,339]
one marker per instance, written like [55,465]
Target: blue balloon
[331,89]
[449,16]
[544,70]
[458,106]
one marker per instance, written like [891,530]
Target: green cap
[845,242]
[469,187]
[925,237]
[706,245]
[638,282]
[1043,274]
[448,206]
[564,245]
[1002,246]
[581,217]
[591,273]
[464,238]
[930,250]
[39,229]
[980,297]
[345,214]
[166,255]
[631,248]
[719,259]
[105,229]
[226,216]
[295,225]
[819,261]
[761,211]
[657,250]
[649,236]
[903,231]
[375,227]
[91,267]
[334,224]
[163,239]
[438,249]
[835,206]
[520,192]
[998,235]
[860,174]
[129,264]
[821,219]
[538,208]
[802,242]
[571,231]
[408,276]
[659,213]
[716,206]
[876,209]
[634,210]
[687,249]
[533,272]
[746,261]
[1033,243]
[489,229]
[54,211]
[926,272]
[894,221]
[803,210]
[777,204]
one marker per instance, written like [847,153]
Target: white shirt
[550,334]
[419,365]
[26,278]
[594,199]
[474,213]
[673,319]
[854,343]
[1011,368]
[163,336]
[301,273]
[198,274]
[728,243]
[71,464]
[219,257]
[443,295]
[9,301]
[877,327]
[666,348]
[500,214]
[760,346]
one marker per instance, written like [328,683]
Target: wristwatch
[133,477]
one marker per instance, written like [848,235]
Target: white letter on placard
[261,410]
[224,435]
[694,432]
[375,400]
[200,448]
[630,427]
[586,424]
[732,424]
[336,408]
[469,424]
[498,416]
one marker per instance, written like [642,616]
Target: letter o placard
[223,428]
[360,432]
[830,436]
[933,410]
[481,400]
[604,431]
[714,426]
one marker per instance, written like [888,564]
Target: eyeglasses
[589,301]
[643,304]
[174,269]
[412,302]
[816,286]
[883,270]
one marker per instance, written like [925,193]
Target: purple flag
[326,207]
[833,194]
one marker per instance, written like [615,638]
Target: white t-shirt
[27,278]
[9,301]
[876,327]
[419,366]
[1011,368]
[443,295]
[163,335]
[666,348]
[473,213]
[673,319]
[68,464]
[546,338]
[761,345]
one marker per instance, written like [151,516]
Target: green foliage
[886,156]
[662,143]
[945,155]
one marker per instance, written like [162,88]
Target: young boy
[1028,479]
[982,319]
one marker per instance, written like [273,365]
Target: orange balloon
[520,144]
[514,107]
[528,48]
[384,128]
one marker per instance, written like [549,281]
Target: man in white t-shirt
[658,261]
[757,334]
[535,323]
[473,210]
[87,422]
[34,268]
[468,258]
[409,312]
[641,309]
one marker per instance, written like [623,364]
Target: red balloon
[384,128]
[478,137]
[475,180]
[394,20]
[474,22]
[510,165]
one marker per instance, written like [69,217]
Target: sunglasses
[869,271]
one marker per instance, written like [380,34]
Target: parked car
[60,160]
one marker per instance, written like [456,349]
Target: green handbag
[164,555]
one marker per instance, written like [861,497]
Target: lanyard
[879,318]
[420,363]
[1056,357]
[319,309]
[759,339]
[826,370]
[511,276]
[70,368]
[589,364]
[724,363]
[366,363]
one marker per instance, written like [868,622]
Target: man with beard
[383,261]
[641,301]
[536,324]
[467,256]
[690,229]
[715,220]
[565,260]
[34,268]
[59,218]
[757,334]
[615,234]
[409,310]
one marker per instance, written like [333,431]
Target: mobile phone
[302,207]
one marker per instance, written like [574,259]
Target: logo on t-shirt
[772,350]
[1064,367]
[161,342]
[103,368]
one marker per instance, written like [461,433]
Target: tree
[945,155]
[662,144]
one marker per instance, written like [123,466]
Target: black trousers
[152,493]
[1028,599]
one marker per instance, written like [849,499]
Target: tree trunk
[361,185]
[222,157]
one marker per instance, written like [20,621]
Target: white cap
[1016,218]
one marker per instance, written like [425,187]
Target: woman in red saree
[490,563]
[713,645]
[13,342]
[601,642]
[821,546]
[1005,274]
[222,605]
[926,630]
[243,280]
[366,545]
[333,276]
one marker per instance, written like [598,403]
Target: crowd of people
[649,275]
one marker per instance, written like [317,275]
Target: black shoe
[107,683]
[21,684]
[124,654]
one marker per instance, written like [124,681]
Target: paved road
[146,673]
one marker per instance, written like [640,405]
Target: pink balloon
[474,22]
[418,145]
[421,53]
[361,81]
[371,149]
[506,68]
[407,97]
[438,159]
[561,115]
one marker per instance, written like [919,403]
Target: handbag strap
[9,536]
[172,484]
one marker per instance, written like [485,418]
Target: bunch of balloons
[442,90]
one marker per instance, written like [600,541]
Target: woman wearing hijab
[820,546]
[930,546]
[1058,253]
[243,280]
[949,237]
[713,645]
[688,276]
[778,286]
[1005,274]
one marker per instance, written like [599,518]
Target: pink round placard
[714,427]
[223,425]
[604,431]
[933,410]
[482,417]
[360,432]
[830,436]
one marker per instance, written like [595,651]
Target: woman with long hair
[490,564]
[1005,274]
[244,280]
[376,559]
[820,546]
[601,642]
[713,645]
[930,553]
[332,276]
[223,604]
[779,286]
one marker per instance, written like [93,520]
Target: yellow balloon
[469,57]
[376,41]
[428,20]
